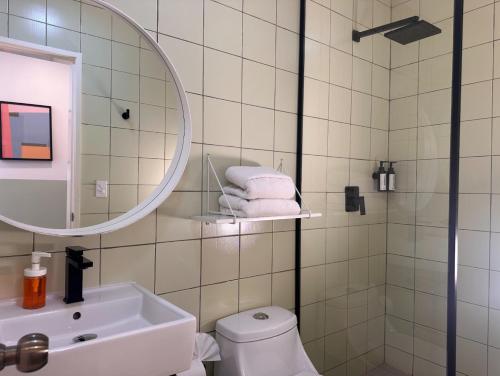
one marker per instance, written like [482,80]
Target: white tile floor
[385,371]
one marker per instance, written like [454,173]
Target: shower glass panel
[417,235]
[478,293]
[374,287]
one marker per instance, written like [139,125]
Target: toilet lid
[257,324]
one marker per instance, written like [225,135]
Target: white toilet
[261,342]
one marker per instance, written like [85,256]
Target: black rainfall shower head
[404,31]
[413,32]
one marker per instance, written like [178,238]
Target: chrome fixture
[29,355]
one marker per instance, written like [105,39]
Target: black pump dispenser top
[381,169]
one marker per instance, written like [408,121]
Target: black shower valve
[353,201]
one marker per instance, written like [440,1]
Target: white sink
[138,333]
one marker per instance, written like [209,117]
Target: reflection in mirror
[111,152]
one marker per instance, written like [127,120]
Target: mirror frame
[172,176]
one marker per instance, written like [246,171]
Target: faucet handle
[75,251]
[86,263]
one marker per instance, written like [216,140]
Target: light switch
[101,188]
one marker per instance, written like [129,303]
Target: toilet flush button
[261,316]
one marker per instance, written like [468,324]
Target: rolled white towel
[258,208]
[259,182]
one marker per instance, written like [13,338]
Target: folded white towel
[259,182]
[258,208]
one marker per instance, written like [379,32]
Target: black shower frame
[451,348]
[298,163]
[456,104]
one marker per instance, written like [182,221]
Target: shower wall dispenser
[391,177]
[385,179]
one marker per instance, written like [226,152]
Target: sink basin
[121,330]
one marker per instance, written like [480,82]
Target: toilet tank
[260,342]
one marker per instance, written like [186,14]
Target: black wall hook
[126,114]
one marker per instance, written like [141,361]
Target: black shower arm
[357,35]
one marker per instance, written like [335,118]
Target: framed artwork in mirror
[25,132]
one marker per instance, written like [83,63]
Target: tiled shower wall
[345,134]
[238,62]
[418,212]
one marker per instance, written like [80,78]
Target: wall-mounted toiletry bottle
[391,177]
[35,282]
[380,176]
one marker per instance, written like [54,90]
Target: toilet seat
[306,373]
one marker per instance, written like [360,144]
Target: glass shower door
[478,292]
[417,237]
[374,287]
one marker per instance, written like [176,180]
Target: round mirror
[95,128]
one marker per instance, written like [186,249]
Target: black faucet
[75,265]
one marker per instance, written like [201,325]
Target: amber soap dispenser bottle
[35,282]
